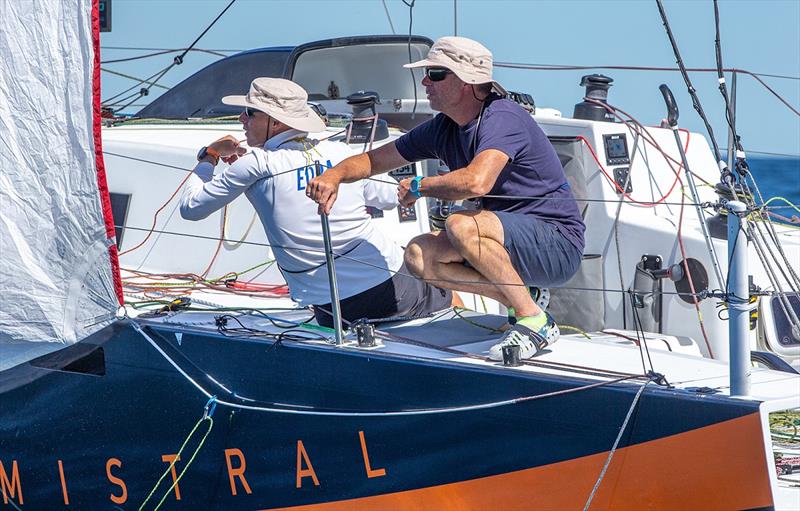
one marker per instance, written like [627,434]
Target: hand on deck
[323,190]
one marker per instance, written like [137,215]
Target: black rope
[692,91]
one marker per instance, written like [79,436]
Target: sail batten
[56,268]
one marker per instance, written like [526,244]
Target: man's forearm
[456,185]
[474,180]
[354,168]
[361,166]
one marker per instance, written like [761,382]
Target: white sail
[56,278]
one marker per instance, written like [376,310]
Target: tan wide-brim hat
[283,100]
[469,60]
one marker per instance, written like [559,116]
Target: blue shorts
[542,256]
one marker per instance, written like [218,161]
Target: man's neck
[275,132]
[466,113]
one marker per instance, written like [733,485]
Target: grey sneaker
[530,342]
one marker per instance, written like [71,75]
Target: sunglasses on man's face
[250,112]
[436,74]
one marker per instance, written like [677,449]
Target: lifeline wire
[393,413]
[378,180]
[344,256]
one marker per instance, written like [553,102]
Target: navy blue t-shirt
[533,169]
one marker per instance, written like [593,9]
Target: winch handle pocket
[672,107]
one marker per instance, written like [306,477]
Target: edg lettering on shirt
[306,174]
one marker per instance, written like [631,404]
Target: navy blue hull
[111,429]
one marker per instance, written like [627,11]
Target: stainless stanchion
[738,300]
[326,238]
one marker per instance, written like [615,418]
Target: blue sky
[760,36]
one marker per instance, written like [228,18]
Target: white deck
[601,353]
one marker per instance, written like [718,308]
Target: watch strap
[208,151]
[414,186]
[213,152]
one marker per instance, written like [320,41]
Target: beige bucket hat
[469,60]
[282,100]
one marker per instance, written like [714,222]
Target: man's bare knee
[462,230]
[414,258]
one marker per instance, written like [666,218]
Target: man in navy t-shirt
[528,232]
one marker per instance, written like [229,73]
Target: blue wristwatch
[414,186]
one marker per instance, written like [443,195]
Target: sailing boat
[192,409]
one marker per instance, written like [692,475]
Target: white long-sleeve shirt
[274,180]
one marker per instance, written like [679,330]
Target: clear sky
[762,36]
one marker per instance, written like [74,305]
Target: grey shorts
[541,255]
[401,295]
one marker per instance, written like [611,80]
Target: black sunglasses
[250,112]
[436,74]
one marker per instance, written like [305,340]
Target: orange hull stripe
[683,471]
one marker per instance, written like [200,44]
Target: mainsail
[58,276]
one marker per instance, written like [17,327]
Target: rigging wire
[108,101]
[388,16]
[755,76]
[178,60]
[129,77]
[162,52]
[570,67]
[723,89]
[410,6]
[692,91]
[138,48]
[754,229]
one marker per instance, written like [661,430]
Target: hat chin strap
[271,120]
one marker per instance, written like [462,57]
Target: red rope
[155,216]
[619,188]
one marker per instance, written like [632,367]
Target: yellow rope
[205,417]
[784,200]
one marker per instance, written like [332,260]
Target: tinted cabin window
[375,67]
[200,94]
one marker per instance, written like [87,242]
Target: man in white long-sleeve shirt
[284,134]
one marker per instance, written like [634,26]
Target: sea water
[778,177]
